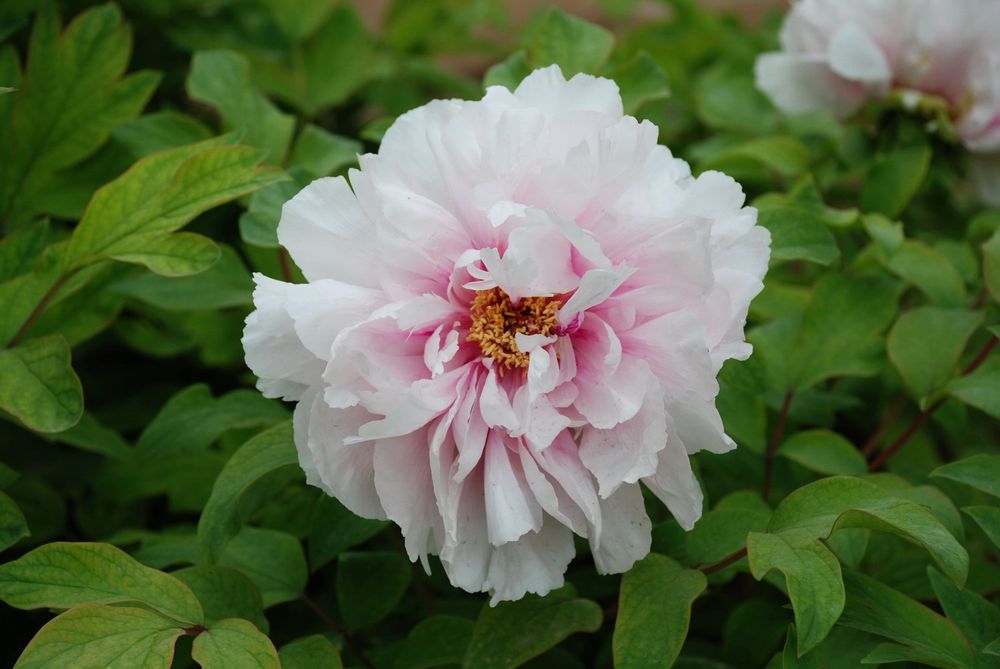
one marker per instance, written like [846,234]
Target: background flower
[517,315]
[836,55]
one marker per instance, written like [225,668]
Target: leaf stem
[338,629]
[922,417]
[879,433]
[286,269]
[39,308]
[772,448]
[724,562]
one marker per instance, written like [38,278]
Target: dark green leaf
[979,471]
[439,641]
[13,526]
[575,45]
[824,452]
[511,633]
[370,585]
[224,593]
[812,578]
[894,179]
[654,610]
[926,637]
[981,388]
[925,345]
[273,560]
[220,520]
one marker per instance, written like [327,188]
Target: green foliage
[152,511]
[654,611]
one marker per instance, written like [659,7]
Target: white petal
[675,484]
[535,563]
[274,351]
[626,536]
[855,56]
[511,509]
[627,452]
[327,235]
[345,470]
[548,90]
[798,84]
[403,483]
[595,287]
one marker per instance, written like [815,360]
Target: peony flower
[516,315]
[837,55]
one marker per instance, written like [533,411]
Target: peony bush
[666,340]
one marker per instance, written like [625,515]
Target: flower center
[495,322]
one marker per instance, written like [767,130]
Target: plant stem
[922,417]
[39,308]
[286,269]
[772,448]
[724,562]
[338,629]
[879,433]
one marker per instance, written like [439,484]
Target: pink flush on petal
[514,317]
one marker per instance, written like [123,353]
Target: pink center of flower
[495,322]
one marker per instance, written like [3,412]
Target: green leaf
[981,388]
[89,434]
[334,529]
[38,384]
[273,560]
[654,610]
[978,619]
[575,45]
[70,98]
[925,346]
[817,509]
[894,179]
[234,643]
[61,575]
[783,155]
[798,234]
[370,585]
[439,641]
[110,637]
[19,250]
[222,80]
[841,328]
[888,234]
[510,72]
[320,152]
[723,530]
[988,519]
[929,270]
[311,652]
[812,578]
[159,131]
[640,80]
[131,218]
[227,283]
[926,637]
[224,593]
[13,526]
[220,520]
[329,67]
[511,633]
[991,265]
[259,224]
[979,471]
[824,452]
[727,98]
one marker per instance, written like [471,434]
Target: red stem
[773,446]
[724,562]
[922,417]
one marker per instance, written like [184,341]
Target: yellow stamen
[495,321]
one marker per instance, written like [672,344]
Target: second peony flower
[515,313]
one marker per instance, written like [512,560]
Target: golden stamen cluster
[495,322]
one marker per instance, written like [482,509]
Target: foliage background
[131,429]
